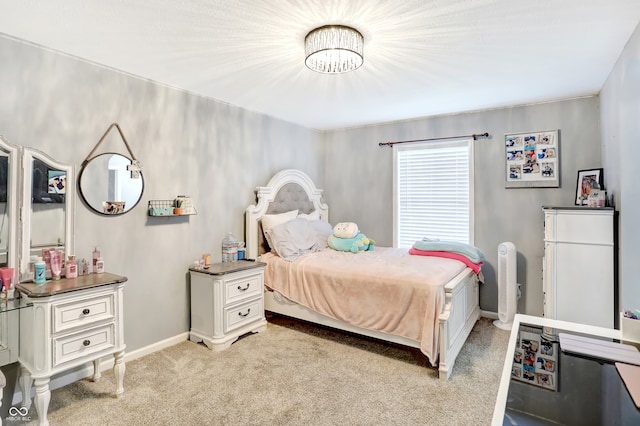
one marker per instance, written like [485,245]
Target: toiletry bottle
[72,267]
[99,266]
[96,255]
[56,264]
[85,267]
[40,271]
[32,266]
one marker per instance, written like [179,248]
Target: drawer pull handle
[86,342]
[85,311]
[244,288]
[244,315]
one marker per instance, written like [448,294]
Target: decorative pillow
[359,243]
[298,237]
[323,231]
[271,220]
[345,230]
[314,215]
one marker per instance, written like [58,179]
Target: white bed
[292,189]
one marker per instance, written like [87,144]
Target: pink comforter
[385,290]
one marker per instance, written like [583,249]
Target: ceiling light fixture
[334,49]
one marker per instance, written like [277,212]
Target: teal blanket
[473,253]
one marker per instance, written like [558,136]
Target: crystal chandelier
[334,49]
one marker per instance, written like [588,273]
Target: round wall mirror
[107,187]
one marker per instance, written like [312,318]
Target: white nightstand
[227,301]
[72,322]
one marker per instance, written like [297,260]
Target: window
[433,189]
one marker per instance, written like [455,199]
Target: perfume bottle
[72,267]
[96,256]
[99,266]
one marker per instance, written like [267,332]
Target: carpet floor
[294,373]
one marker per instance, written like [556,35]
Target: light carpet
[294,373]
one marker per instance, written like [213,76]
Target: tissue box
[630,329]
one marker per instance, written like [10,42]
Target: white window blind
[433,189]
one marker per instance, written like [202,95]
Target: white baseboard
[489,314]
[85,371]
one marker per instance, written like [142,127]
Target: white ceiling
[422,57]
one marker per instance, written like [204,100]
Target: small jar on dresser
[227,301]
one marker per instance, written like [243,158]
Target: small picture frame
[585,183]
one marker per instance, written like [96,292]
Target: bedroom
[61,105]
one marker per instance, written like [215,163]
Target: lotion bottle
[56,264]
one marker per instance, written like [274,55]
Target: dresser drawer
[82,313]
[246,313]
[82,344]
[238,289]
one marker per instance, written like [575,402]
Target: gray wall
[218,153]
[187,144]
[359,173]
[620,106]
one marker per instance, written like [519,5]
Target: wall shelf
[165,208]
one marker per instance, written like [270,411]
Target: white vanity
[62,324]
[72,322]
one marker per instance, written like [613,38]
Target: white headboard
[298,192]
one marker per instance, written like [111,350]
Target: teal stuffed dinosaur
[356,244]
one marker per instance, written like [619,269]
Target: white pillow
[270,221]
[298,237]
[314,215]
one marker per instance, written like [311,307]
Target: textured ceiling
[422,57]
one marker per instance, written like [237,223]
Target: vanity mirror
[8,201]
[106,184]
[48,207]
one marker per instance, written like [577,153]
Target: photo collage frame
[532,160]
[535,360]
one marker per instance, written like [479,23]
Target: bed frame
[292,189]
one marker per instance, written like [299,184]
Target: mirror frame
[13,195]
[28,155]
[84,199]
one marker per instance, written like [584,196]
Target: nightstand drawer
[244,314]
[82,313]
[238,289]
[79,345]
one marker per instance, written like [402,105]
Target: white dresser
[227,301]
[72,322]
[579,265]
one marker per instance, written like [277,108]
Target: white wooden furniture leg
[118,370]
[25,386]
[96,371]
[42,399]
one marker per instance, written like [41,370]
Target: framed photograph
[586,182]
[532,159]
[48,185]
[57,182]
